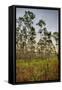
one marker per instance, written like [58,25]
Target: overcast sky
[49,16]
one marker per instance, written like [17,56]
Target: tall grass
[37,69]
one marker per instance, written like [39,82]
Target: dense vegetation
[35,60]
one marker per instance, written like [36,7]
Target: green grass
[37,69]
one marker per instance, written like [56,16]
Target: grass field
[36,70]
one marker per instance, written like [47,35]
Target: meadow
[37,70]
[36,49]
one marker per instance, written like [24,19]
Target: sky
[49,16]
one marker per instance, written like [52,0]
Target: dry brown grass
[36,70]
